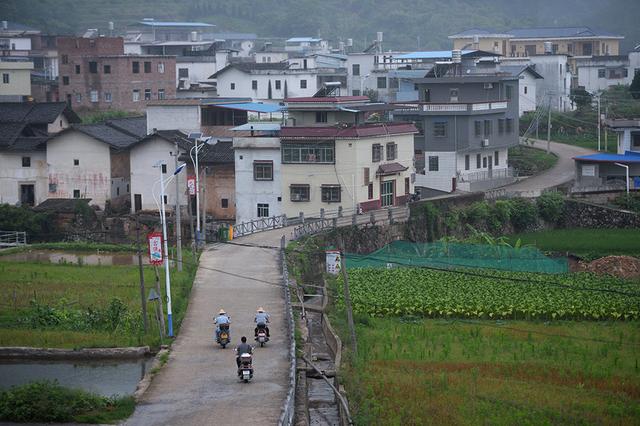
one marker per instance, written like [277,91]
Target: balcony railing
[487,175]
[449,107]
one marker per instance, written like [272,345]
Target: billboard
[155,248]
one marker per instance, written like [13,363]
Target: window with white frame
[263,210]
[94,96]
[161,67]
[136,95]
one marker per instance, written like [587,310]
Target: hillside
[408,24]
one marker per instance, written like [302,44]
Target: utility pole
[549,128]
[166,255]
[178,218]
[347,296]
[197,167]
[598,98]
[143,298]
[606,145]
[204,206]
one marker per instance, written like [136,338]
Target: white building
[527,86]
[306,45]
[174,114]
[15,82]
[598,73]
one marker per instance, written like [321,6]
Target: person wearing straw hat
[222,318]
[261,320]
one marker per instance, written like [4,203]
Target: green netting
[445,255]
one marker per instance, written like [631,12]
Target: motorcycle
[223,337]
[245,371]
[262,335]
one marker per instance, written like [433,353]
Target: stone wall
[579,214]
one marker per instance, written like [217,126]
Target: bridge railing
[261,224]
[288,407]
[13,238]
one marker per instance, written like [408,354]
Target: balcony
[428,107]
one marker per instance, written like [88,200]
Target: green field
[587,242]
[71,306]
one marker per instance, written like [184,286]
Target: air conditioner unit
[485,142]
[488,85]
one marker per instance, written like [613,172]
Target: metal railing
[258,225]
[13,238]
[449,106]
[487,175]
[288,407]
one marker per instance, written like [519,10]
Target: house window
[433,163]
[496,158]
[136,95]
[392,153]
[500,126]
[77,69]
[331,193]
[321,116]
[478,127]
[466,162]
[165,199]
[407,185]
[509,122]
[487,128]
[376,152]
[554,48]
[76,193]
[453,95]
[382,82]
[370,191]
[183,72]
[94,96]
[164,168]
[355,69]
[321,152]
[355,92]
[5,78]
[224,203]
[478,161]
[263,210]
[147,67]
[263,170]
[53,187]
[601,73]
[79,97]
[525,90]
[26,161]
[76,161]
[254,84]
[106,69]
[303,84]
[233,86]
[160,94]
[440,129]
[161,67]
[299,192]
[65,59]
[508,92]
[147,94]
[570,48]
[387,190]
[278,84]
[65,80]
[135,67]
[137,202]
[93,67]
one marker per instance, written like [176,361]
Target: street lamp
[627,173]
[196,137]
[163,219]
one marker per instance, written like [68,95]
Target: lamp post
[627,174]
[163,219]
[197,149]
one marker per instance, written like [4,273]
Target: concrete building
[598,73]
[15,85]
[96,74]
[467,118]
[528,79]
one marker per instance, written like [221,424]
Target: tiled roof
[134,126]
[222,132]
[327,99]
[247,67]
[516,70]
[178,102]
[560,32]
[35,112]
[220,153]
[390,169]
[347,132]
[108,135]
[61,205]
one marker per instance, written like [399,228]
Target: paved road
[198,386]
[562,172]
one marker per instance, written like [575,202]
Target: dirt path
[198,386]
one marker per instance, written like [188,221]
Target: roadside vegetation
[528,161]
[47,402]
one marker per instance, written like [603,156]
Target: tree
[634,89]
[581,98]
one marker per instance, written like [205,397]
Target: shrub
[550,206]
[478,213]
[629,202]
[523,214]
[500,215]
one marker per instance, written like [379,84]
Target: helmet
[260,309]
[222,312]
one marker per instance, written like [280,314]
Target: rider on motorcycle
[243,348]
[222,318]
[262,318]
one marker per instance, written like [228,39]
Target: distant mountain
[407,24]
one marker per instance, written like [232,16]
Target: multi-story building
[96,74]
[468,119]
[574,41]
[15,83]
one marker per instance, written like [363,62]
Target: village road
[198,386]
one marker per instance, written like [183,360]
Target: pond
[104,377]
[85,258]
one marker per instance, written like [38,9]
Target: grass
[79,288]
[530,161]
[457,372]
[76,247]
[589,243]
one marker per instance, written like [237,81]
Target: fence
[487,175]
[288,407]
[12,238]
[257,225]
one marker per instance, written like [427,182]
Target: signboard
[191,185]
[588,170]
[155,248]
[333,261]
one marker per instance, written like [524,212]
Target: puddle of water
[106,378]
[47,256]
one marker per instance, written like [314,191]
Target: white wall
[271,57]
[12,175]
[19,43]
[58,125]
[250,192]
[243,86]
[92,177]
[527,101]
[144,175]
[173,117]
[441,180]
[588,78]
[365,60]
[198,71]
[19,78]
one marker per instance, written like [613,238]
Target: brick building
[96,74]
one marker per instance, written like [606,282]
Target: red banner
[191,185]
[155,248]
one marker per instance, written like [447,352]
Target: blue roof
[432,54]
[628,157]
[253,106]
[175,24]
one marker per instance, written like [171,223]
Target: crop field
[492,295]
[72,306]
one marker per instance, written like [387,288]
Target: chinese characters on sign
[333,261]
[191,184]
[155,248]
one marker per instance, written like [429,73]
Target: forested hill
[407,24]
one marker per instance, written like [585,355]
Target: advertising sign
[155,248]
[191,185]
[333,261]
